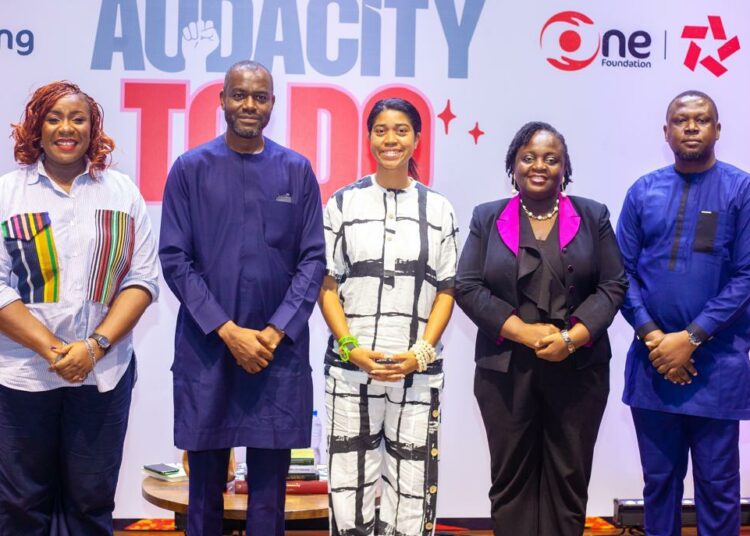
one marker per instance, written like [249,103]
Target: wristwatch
[694,339]
[567,340]
[101,341]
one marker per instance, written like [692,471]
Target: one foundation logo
[571,40]
[712,34]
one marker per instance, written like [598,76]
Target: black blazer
[486,283]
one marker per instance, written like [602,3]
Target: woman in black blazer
[542,278]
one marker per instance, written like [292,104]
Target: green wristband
[346,345]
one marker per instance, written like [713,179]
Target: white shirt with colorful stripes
[66,256]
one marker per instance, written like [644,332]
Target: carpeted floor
[685,532]
[595,524]
[606,532]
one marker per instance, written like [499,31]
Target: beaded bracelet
[91,351]
[425,354]
[346,345]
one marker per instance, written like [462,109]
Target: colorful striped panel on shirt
[115,239]
[31,245]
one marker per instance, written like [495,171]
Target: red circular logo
[569,38]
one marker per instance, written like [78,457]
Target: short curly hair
[523,136]
[27,134]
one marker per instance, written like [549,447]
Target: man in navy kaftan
[242,248]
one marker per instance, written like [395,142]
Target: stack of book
[304,478]
[302,466]
[169,472]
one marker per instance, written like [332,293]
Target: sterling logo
[571,39]
[700,33]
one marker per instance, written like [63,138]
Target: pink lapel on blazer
[508,224]
[569,221]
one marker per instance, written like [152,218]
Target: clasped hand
[546,341]
[71,361]
[671,355]
[395,369]
[252,349]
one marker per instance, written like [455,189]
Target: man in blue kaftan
[242,248]
[685,238]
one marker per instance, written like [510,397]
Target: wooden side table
[173,496]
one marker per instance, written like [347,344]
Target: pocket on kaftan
[280,224]
[705,231]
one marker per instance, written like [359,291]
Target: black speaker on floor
[629,512]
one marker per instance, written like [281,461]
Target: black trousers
[61,452]
[541,420]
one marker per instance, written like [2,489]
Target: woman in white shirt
[77,270]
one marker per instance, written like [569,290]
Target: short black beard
[247,133]
[693,156]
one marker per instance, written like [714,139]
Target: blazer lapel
[508,224]
[569,221]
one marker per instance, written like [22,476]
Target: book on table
[168,472]
[303,457]
[303,476]
[293,487]
[303,469]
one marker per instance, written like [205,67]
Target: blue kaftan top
[685,240]
[242,239]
